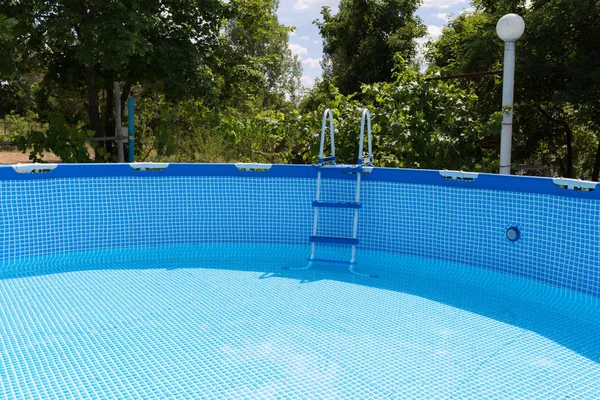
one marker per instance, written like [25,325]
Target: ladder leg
[355,225]
[360,273]
[310,262]
[315,224]
[355,232]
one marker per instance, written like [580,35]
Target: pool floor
[230,322]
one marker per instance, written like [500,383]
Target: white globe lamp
[510,27]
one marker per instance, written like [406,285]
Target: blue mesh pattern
[65,215]
[559,243]
[560,237]
[181,284]
[226,321]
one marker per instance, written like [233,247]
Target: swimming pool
[186,281]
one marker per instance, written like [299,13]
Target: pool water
[229,321]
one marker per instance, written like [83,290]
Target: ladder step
[333,240]
[336,204]
[327,159]
[344,168]
[324,260]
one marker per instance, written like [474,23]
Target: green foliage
[501,7]
[189,63]
[361,40]
[157,127]
[214,81]
[7,66]
[268,136]
[158,42]
[81,48]
[65,141]
[190,131]
[557,76]
[259,69]
[16,95]
[18,126]
[346,113]
[469,44]
[416,124]
[429,125]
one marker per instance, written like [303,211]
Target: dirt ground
[16,157]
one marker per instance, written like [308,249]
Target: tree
[166,45]
[191,64]
[557,81]
[257,62]
[260,84]
[417,123]
[361,40]
[563,64]
[14,97]
[469,44]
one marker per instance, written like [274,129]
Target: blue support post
[130,130]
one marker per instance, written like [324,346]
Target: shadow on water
[570,330]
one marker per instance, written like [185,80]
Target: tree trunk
[569,161]
[250,153]
[93,111]
[109,125]
[596,171]
[124,96]
[109,120]
[118,123]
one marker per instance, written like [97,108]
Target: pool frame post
[130,128]
[507,107]
[509,28]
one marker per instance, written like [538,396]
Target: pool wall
[411,212]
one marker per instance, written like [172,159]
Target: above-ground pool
[194,281]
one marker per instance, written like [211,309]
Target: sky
[306,42]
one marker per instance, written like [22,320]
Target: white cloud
[298,50]
[434,31]
[441,4]
[313,62]
[317,42]
[422,40]
[307,81]
[306,4]
[443,16]
[303,38]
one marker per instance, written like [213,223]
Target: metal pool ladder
[364,165]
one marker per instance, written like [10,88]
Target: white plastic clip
[574,184]
[144,166]
[459,175]
[35,167]
[254,167]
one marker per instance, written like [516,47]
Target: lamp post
[509,28]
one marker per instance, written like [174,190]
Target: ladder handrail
[326,113]
[366,115]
